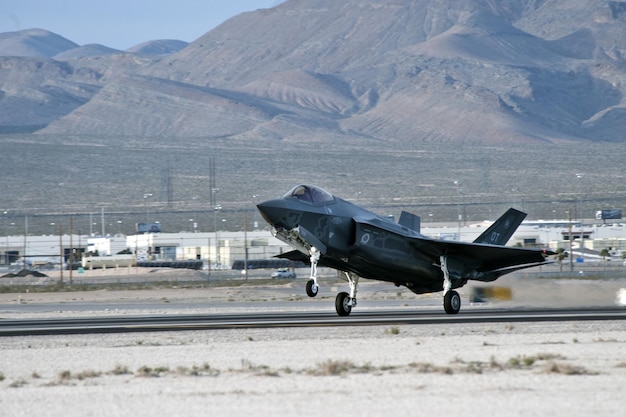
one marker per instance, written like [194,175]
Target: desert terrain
[554,368]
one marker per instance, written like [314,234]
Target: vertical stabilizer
[502,229]
[410,220]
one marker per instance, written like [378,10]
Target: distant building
[106,246]
[222,249]
[219,249]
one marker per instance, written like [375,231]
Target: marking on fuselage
[321,230]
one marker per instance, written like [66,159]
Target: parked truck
[113,261]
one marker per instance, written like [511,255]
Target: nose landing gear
[311,285]
[344,301]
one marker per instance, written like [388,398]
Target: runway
[163,323]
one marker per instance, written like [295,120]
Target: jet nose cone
[273,211]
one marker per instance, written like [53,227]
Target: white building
[106,246]
[220,249]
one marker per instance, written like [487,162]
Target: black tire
[311,288]
[342,304]
[452,302]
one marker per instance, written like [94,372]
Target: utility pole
[25,239]
[61,253]
[571,255]
[458,210]
[71,250]
[102,220]
[245,243]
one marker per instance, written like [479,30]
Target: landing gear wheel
[311,288]
[452,302]
[343,304]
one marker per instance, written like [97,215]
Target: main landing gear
[344,301]
[452,302]
[451,298]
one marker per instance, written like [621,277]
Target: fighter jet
[328,231]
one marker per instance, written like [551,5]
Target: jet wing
[294,255]
[490,257]
[467,258]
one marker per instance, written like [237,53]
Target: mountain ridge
[469,70]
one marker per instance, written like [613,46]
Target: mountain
[388,70]
[90,50]
[159,47]
[33,43]
[35,92]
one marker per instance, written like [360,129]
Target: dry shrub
[146,371]
[88,374]
[195,370]
[332,367]
[552,367]
[341,367]
[428,368]
[120,370]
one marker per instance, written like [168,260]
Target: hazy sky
[121,24]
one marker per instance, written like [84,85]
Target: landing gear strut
[451,298]
[344,301]
[311,285]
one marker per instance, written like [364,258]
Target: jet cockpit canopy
[310,194]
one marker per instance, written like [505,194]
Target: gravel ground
[521,369]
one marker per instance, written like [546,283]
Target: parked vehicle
[283,273]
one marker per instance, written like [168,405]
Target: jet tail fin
[410,221]
[502,229]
